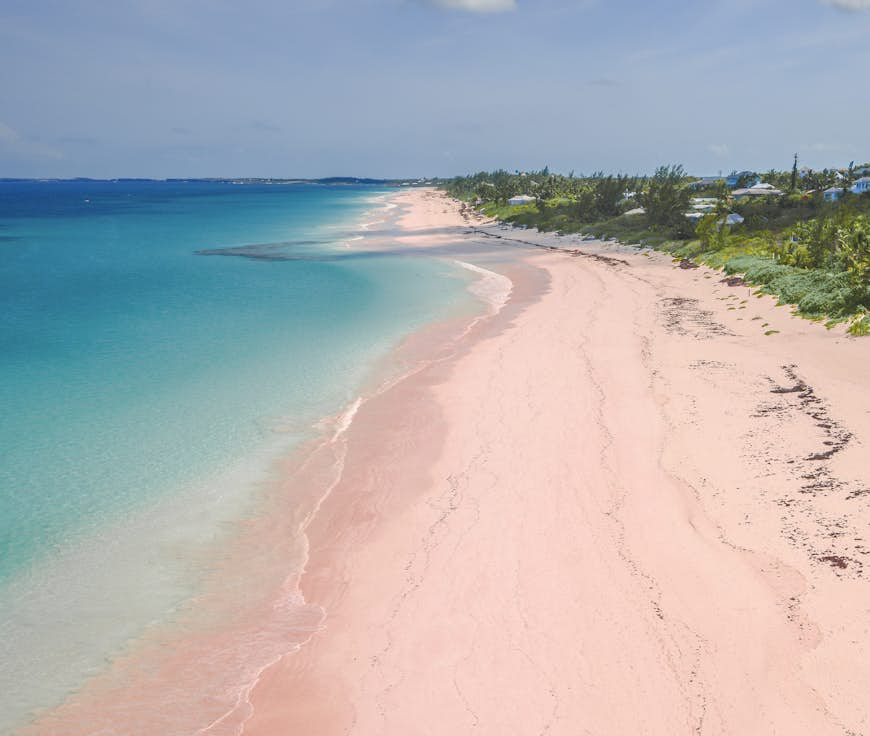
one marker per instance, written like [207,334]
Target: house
[862,185]
[758,190]
[733,179]
[703,204]
[733,219]
[704,207]
[833,194]
[521,199]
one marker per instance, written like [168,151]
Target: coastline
[597,518]
[585,512]
[205,650]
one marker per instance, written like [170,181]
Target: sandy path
[616,514]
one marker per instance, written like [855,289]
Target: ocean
[147,388]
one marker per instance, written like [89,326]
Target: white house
[862,185]
[521,199]
[833,194]
[757,190]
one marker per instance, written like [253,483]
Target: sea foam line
[492,288]
[243,706]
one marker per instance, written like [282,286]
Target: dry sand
[621,508]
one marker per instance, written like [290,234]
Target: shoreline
[587,511]
[632,565]
[301,482]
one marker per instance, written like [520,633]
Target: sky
[401,88]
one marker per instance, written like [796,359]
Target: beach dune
[619,508]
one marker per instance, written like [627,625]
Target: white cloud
[478,6]
[850,5]
[719,149]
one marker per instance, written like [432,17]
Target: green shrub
[815,292]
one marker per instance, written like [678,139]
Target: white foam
[345,419]
[233,721]
[494,289]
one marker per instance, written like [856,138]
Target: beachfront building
[521,199]
[759,189]
[833,194]
[862,185]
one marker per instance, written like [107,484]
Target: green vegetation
[809,252]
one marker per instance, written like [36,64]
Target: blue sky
[312,88]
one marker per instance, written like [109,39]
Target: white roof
[863,178]
[762,185]
[833,189]
[756,192]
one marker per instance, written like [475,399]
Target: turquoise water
[132,368]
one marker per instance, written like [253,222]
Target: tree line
[598,196]
[797,229]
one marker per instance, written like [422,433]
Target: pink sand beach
[634,499]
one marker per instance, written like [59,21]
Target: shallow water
[146,389]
